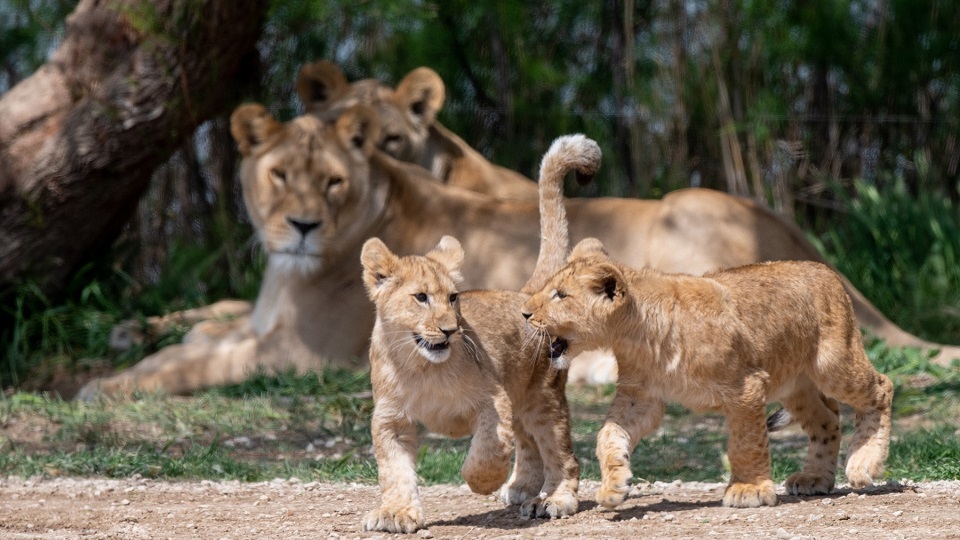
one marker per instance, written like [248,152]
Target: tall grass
[40,334]
[902,250]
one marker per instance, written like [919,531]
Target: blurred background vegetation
[843,115]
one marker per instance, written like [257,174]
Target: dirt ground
[141,508]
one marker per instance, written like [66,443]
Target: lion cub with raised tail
[465,363]
[730,341]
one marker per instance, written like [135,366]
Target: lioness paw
[555,506]
[809,484]
[394,520]
[611,497]
[750,495]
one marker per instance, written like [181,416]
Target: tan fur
[409,130]
[691,231]
[730,341]
[463,364]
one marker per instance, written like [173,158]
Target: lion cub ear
[379,265]
[606,282]
[319,84]
[251,125]
[359,128]
[449,254]
[421,93]
[588,247]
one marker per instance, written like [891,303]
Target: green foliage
[902,250]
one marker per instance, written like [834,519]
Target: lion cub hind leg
[488,460]
[749,454]
[527,477]
[561,471]
[819,416]
[632,416]
[871,436]
[852,379]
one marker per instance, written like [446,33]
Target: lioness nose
[526,315]
[448,331]
[303,226]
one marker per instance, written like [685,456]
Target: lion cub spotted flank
[730,341]
[465,363]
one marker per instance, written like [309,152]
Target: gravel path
[141,508]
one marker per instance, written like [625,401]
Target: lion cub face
[579,304]
[306,184]
[416,297]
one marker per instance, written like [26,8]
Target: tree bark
[79,138]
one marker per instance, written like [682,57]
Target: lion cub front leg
[750,483]
[488,460]
[395,447]
[632,416]
[527,477]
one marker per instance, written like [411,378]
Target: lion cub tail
[567,153]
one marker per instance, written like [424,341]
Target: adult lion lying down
[316,191]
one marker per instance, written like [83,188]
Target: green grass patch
[316,427]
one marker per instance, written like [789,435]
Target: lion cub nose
[526,315]
[303,226]
[448,331]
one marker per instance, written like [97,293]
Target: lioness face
[405,113]
[416,296]
[305,184]
[578,306]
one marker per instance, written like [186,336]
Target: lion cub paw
[394,520]
[485,477]
[515,493]
[750,495]
[555,506]
[809,484]
[612,497]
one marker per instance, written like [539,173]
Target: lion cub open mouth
[432,347]
[557,348]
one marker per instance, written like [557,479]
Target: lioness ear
[421,93]
[379,264]
[319,84]
[606,281]
[251,125]
[359,128]
[588,247]
[449,254]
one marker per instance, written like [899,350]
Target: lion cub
[729,341]
[464,364]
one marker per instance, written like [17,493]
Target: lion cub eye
[334,181]
[453,298]
[421,297]
[278,174]
[559,295]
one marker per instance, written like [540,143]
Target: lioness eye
[279,174]
[453,298]
[560,295]
[421,297]
[334,181]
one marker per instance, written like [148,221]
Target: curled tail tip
[576,151]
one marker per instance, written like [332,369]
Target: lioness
[463,364]
[729,341]
[409,130]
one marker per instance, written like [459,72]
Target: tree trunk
[79,138]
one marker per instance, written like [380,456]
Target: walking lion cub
[465,363]
[730,341]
